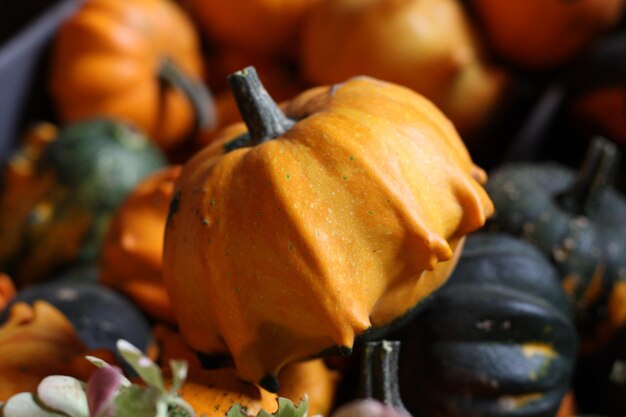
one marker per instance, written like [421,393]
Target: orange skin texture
[313,379]
[604,111]
[106,61]
[35,342]
[262,26]
[132,251]
[540,34]
[277,252]
[426,45]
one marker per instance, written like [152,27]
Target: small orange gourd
[313,379]
[319,223]
[540,34]
[137,61]
[35,342]
[131,257]
[427,45]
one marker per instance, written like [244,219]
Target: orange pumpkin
[426,45]
[313,379]
[345,220]
[262,26]
[131,257]
[35,342]
[138,61]
[545,33]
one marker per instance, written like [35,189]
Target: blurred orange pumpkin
[131,257]
[426,45]
[138,61]
[261,26]
[35,342]
[544,33]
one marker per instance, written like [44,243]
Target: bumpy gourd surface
[280,251]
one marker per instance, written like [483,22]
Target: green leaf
[286,408]
[145,368]
[136,401]
[179,374]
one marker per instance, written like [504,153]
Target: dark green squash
[59,192]
[497,340]
[579,222]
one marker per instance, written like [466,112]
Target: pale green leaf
[64,394]
[136,401]
[24,405]
[145,368]
[179,374]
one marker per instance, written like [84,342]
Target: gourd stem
[379,373]
[596,173]
[264,119]
[196,92]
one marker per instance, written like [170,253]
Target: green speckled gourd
[59,190]
[577,220]
[497,340]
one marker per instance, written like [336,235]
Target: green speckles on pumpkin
[288,176]
[371,212]
[205,221]
[345,177]
[352,158]
[291,246]
[212,202]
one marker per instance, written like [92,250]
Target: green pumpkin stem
[379,373]
[596,173]
[196,92]
[264,119]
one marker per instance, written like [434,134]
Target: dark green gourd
[497,340]
[57,198]
[579,221]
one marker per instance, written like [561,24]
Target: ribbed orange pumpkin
[131,257]
[138,61]
[426,45]
[317,226]
[545,33]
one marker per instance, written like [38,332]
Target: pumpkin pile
[320,207]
